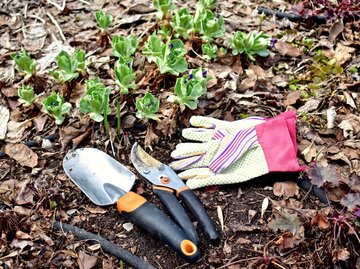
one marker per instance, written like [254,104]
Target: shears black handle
[177,212]
[199,212]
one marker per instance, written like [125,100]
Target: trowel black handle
[177,212]
[148,217]
[199,212]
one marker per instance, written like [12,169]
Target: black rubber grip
[306,185]
[153,220]
[177,213]
[199,212]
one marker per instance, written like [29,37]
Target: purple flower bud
[190,76]
[217,15]
[128,64]
[357,212]
[204,73]
[273,42]
[171,45]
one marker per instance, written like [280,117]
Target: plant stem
[118,115]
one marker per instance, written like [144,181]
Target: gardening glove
[240,156]
[209,128]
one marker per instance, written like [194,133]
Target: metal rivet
[146,171]
[161,167]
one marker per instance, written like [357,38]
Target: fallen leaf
[335,29]
[341,254]
[351,201]
[22,154]
[310,105]
[343,53]
[94,247]
[96,210]
[86,261]
[310,152]
[350,126]
[292,98]
[289,241]
[21,244]
[321,221]
[15,130]
[22,236]
[286,222]
[321,174]
[4,118]
[220,216]
[242,240]
[227,248]
[25,195]
[251,215]
[349,100]
[287,49]
[286,189]
[264,206]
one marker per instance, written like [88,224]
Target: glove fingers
[181,164]
[184,150]
[198,134]
[197,173]
[204,122]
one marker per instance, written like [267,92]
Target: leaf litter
[311,70]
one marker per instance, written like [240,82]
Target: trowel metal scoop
[105,181]
[101,178]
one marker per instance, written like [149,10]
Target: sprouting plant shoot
[207,4]
[69,66]
[26,94]
[189,88]
[124,47]
[24,64]
[250,44]
[96,100]
[209,25]
[163,7]
[125,76]
[172,58]
[56,106]
[103,20]
[182,23]
[147,107]
[153,47]
[211,51]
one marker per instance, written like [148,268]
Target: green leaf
[96,100]
[103,20]
[56,106]
[124,47]
[125,77]
[208,25]
[147,106]
[171,59]
[24,64]
[182,23]
[163,7]
[26,94]
[249,44]
[153,47]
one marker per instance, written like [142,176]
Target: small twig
[238,261]
[61,8]
[106,245]
[37,17]
[57,26]
[85,2]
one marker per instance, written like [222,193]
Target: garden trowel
[105,181]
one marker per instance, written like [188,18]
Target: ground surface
[34,190]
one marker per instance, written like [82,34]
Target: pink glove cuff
[277,137]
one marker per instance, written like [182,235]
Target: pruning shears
[167,186]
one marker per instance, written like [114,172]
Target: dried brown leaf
[242,240]
[220,216]
[86,261]
[321,221]
[96,210]
[335,29]
[286,189]
[292,98]
[22,154]
[286,49]
[343,53]
[4,118]
[15,130]
[341,254]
